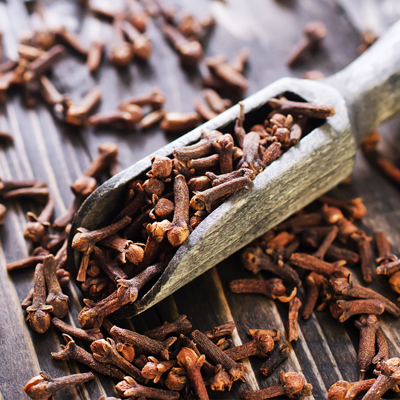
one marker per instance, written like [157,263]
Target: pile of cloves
[227,77]
[323,240]
[171,361]
[320,248]
[163,208]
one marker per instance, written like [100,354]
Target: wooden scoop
[364,95]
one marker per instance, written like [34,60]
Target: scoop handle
[371,84]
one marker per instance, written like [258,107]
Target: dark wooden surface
[57,154]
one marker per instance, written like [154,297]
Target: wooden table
[55,153]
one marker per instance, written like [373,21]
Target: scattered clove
[130,388]
[279,353]
[290,384]
[180,326]
[43,386]
[314,34]
[292,324]
[38,312]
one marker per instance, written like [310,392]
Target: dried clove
[261,345]
[344,390]
[383,348]
[78,114]
[105,351]
[384,252]
[94,55]
[272,153]
[180,326]
[38,313]
[216,355]
[190,51]
[388,378]
[88,335]
[110,267]
[43,63]
[155,99]
[250,157]
[143,342]
[128,251]
[130,388]
[152,118]
[179,229]
[142,47]
[82,188]
[310,110]
[354,307]
[311,263]
[368,38]
[221,331]
[118,119]
[204,200]
[272,288]
[389,268]
[290,384]
[353,208]
[43,386]
[154,369]
[330,237]
[279,353]
[27,262]
[314,34]
[217,104]
[176,379]
[292,324]
[344,286]
[73,352]
[334,253]
[313,285]
[254,259]
[178,122]
[137,15]
[192,363]
[365,251]
[71,39]
[227,73]
[108,152]
[163,209]
[368,326]
[93,314]
[39,194]
[126,350]
[36,226]
[85,240]
[55,297]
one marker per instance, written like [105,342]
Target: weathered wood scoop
[364,95]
